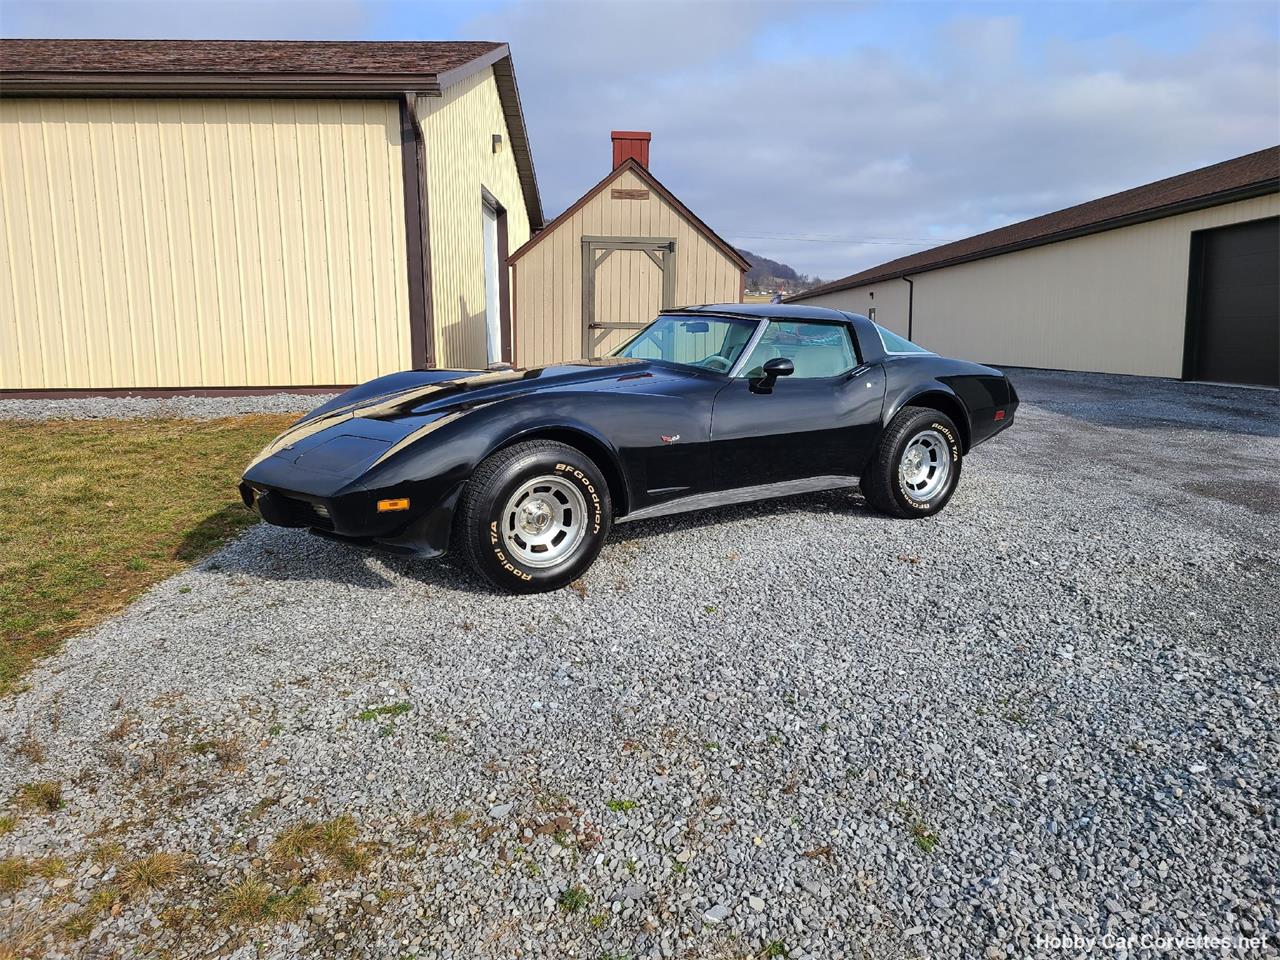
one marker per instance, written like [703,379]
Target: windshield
[710,343]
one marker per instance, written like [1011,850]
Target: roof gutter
[215,84]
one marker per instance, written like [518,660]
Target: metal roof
[1252,175]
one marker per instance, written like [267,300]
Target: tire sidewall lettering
[592,494]
[907,499]
[947,432]
[495,542]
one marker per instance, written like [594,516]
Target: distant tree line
[770,275]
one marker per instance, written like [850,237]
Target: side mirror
[773,369]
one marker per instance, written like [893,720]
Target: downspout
[911,298]
[910,305]
[414,161]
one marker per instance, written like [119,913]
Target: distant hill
[768,275]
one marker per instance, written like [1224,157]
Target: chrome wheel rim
[544,521]
[925,466]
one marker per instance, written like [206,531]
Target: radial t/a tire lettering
[916,465]
[533,516]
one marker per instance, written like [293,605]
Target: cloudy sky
[831,136]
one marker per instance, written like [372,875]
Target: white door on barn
[492,305]
[626,282]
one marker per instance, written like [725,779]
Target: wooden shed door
[625,282]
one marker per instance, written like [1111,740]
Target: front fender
[447,457]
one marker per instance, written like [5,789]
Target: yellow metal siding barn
[1123,284]
[608,264]
[182,216]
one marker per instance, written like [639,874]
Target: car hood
[419,391]
[364,426]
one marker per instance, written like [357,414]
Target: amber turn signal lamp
[390,506]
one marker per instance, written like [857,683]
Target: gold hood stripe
[417,435]
[382,407]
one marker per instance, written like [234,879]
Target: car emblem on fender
[666,439]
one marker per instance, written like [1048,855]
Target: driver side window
[817,349]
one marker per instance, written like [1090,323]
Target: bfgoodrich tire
[916,465]
[533,516]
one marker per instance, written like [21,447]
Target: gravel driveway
[787,729]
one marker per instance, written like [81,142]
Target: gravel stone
[138,408]
[869,730]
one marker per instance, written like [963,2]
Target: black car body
[666,436]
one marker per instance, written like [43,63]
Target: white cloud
[970,127]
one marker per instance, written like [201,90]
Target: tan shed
[606,266]
[207,216]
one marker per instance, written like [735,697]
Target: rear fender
[936,396]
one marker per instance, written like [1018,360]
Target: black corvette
[524,471]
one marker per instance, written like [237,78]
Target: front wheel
[916,464]
[533,516]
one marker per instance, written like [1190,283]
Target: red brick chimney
[631,144]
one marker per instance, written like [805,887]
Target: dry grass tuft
[157,764]
[81,924]
[107,853]
[151,872]
[44,795]
[30,748]
[123,728]
[16,871]
[253,901]
[333,840]
[229,750]
[23,942]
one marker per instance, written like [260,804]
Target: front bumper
[352,518]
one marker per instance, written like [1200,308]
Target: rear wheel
[534,516]
[916,465]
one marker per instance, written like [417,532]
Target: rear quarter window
[895,344]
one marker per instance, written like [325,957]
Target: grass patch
[253,901]
[99,511]
[7,824]
[43,795]
[573,899]
[621,806]
[15,871]
[30,748]
[334,840]
[925,838]
[391,710]
[151,872]
[228,750]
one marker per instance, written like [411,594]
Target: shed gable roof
[1252,175]
[639,170]
[288,68]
